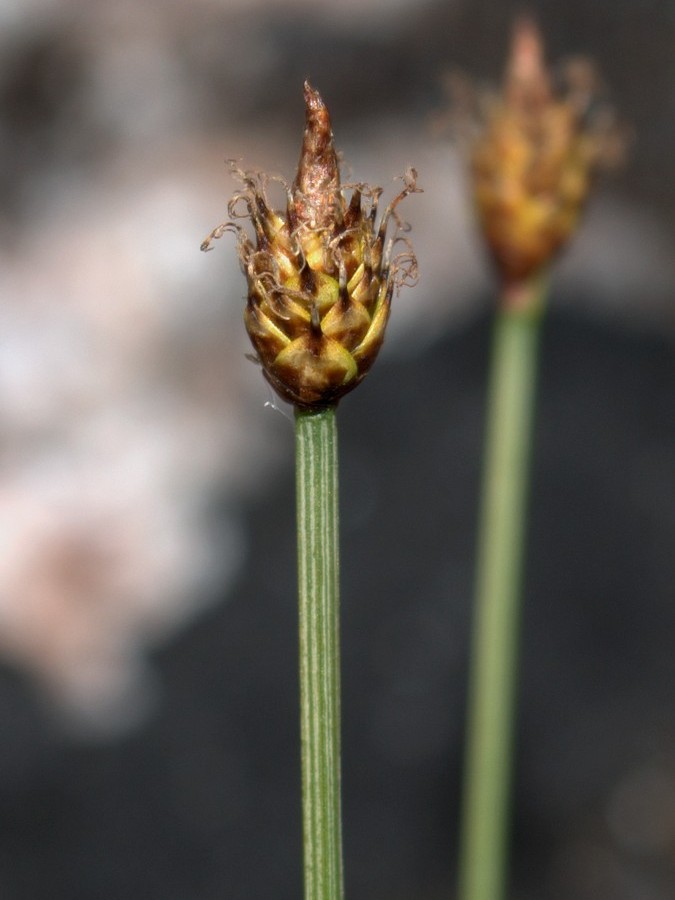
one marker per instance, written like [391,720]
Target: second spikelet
[535,158]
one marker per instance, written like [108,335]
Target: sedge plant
[532,163]
[321,275]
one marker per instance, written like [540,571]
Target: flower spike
[535,158]
[320,274]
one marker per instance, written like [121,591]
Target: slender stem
[494,657]
[318,581]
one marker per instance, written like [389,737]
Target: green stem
[318,582]
[494,658]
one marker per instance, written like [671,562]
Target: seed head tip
[527,77]
[318,177]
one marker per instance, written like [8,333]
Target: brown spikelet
[320,275]
[534,160]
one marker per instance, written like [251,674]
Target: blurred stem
[494,657]
[318,581]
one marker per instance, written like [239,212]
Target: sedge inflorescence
[535,156]
[321,273]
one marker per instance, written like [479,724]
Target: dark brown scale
[377,245]
[261,208]
[254,213]
[291,216]
[316,334]
[367,274]
[308,282]
[373,210]
[343,294]
[353,214]
[263,243]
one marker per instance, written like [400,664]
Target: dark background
[198,797]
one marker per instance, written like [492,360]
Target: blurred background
[149,732]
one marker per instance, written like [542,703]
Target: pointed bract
[316,201]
